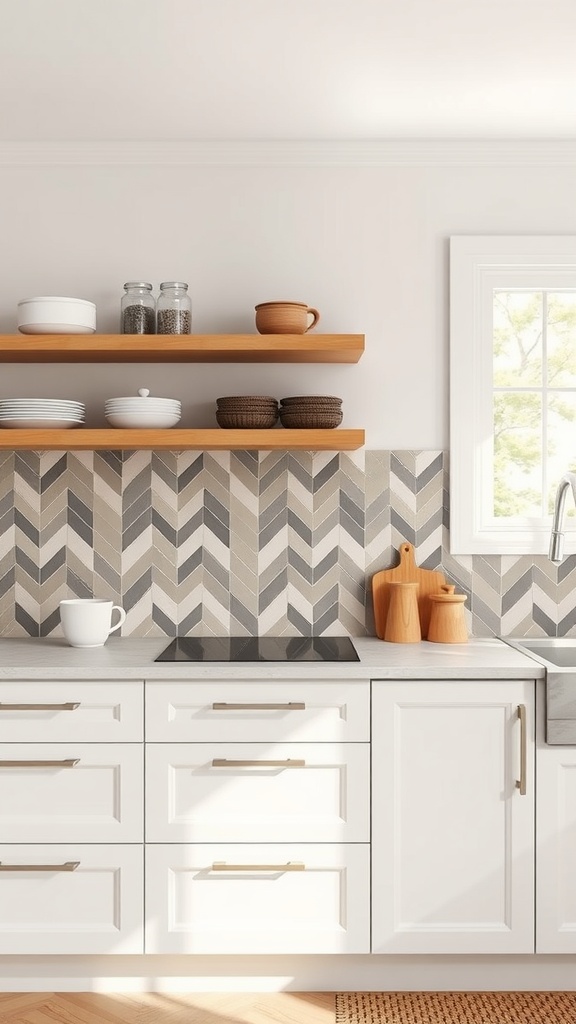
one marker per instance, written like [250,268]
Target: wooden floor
[224,1008]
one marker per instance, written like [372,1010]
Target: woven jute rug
[456,1008]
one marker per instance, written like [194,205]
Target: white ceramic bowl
[56,314]
[137,420]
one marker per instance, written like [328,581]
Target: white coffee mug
[87,622]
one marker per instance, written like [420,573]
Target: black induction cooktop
[263,648]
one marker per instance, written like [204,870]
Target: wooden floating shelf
[185,348]
[276,439]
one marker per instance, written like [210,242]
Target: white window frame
[478,265]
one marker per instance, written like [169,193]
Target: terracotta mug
[285,317]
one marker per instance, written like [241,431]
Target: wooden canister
[447,623]
[402,621]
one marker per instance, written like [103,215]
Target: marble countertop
[133,658]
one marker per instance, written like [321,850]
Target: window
[512,390]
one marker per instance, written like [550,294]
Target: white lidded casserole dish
[56,314]
[141,411]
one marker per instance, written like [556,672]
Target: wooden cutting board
[406,571]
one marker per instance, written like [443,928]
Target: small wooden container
[403,621]
[447,624]
[285,317]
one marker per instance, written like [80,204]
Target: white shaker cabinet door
[274,711]
[258,792]
[453,833]
[71,899]
[556,850]
[86,711]
[252,898]
[71,793]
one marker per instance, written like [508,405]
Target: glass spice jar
[173,309]
[137,309]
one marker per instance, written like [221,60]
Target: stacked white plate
[40,413]
[141,411]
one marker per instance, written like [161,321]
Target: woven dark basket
[311,418]
[247,419]
[246,400]
[323,400]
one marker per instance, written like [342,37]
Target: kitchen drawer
[55,712]
[94,908]
[192,797]
[71,793]
[262,712]
[258,904]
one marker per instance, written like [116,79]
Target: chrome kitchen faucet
[555,553]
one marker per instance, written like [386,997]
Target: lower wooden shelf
[277,439]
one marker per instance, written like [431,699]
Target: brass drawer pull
[291,706]
[521,782]
[292,865]
[224,762]
[68,762]
[69,865]
[69,706]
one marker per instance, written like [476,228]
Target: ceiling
[96,70]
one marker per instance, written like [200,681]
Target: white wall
[366,245]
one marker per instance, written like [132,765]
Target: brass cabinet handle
[67,762]
[521,782]
[69,706]
[224,762]
[291,706]
[292,865]
[69,865]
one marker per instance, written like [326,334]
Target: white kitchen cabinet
[71,793]
[224,711]
[258,898]
[452,831]
[93,711]
[71,899]
[258,792]
[555,844]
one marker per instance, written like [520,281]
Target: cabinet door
[87,711]
[453,834]
[222,711]
[258,899]
[71,899]
[71,792]
[556,850]
[258,793]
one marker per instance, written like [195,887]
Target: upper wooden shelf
[175,439]
[183,348]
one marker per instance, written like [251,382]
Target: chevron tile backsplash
[233,543]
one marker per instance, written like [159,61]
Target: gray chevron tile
[210,541]
[514,593]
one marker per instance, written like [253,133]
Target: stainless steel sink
[558,655]
[557,651]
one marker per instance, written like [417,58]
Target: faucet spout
[556,552]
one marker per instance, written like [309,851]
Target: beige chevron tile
[7,542]
[27,595]
[107,483]
[276,611]
[216,618]
[511,621]
[244,564]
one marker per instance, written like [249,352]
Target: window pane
[561,443]
[561,339]
[517,338]
[517,454]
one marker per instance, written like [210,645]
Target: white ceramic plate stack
[40,413]
[141,412]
